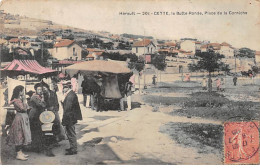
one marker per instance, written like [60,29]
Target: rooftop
[64,43]
[144,42]
[225,44]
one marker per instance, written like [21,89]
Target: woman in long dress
[20,133]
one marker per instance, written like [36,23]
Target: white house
[227,50]
[143,47]
[257,58]
[198,45]
[66,49]
[188,45]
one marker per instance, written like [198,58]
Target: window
[148,49]
[74,52]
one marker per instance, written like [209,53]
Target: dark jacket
[52,103]
[89,86]
[71,108]
[38,106]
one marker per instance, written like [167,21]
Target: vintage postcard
[129,82]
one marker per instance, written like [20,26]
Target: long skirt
[37,136]
[20,132]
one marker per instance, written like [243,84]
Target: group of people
[94,89]
[220,83]
[26,128]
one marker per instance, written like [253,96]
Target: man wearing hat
[71,114]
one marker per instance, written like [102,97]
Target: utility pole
[1,47]
[235,54]
[13,52]
[42,52]
[144,61]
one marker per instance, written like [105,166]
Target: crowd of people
[26,128]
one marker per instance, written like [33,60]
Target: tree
[6,56]
[107,46]
[158,61]
[224,67]
[246,52]
[47,45]
[42,56]
[84,54]
[139,66]
[255,70]
[211,62]
[68,36]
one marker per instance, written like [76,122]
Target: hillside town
[137,99]
[62,43]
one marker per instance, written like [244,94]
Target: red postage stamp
[241,142]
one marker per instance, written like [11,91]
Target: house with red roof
[16,42]
[143,47]
[66,49]
[215,46]
[48,35]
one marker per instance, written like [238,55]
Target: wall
[227,51]
[144,50]
[257,60]
[66,52]
[78,50]
[188,45]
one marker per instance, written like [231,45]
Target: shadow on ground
[96,151]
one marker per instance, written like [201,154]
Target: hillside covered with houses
[59,45]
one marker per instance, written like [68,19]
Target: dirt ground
[170,123]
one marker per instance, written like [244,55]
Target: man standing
[204,83]
[235,80]
[85,90]
[128,92]
[154,80]
[71,115]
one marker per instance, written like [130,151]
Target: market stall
[23,67]
[108,70]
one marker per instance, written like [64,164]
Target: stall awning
[97,66]
[29,66]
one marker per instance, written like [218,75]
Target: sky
[103,15]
